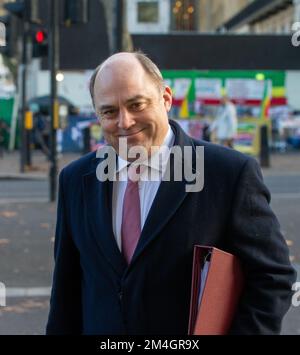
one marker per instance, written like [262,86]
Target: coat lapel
[98,204]
[161,212]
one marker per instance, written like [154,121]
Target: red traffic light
[40,36]
[39,43]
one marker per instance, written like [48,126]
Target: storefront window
[148,11]
[184,15]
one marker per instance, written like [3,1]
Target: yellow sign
[28,120]
[248,140]
[56,115]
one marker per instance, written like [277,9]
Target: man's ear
[167,98]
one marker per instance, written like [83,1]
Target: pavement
[39,170]
[286,163]
[27,224]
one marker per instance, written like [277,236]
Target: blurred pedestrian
[206,132]
[3,130]
[41,133]
[225,125]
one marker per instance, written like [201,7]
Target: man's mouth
[129,134]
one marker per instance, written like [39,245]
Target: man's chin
[134,151]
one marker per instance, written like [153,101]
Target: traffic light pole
[24,137]
[120,24]
[54,66]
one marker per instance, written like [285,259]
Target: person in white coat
[225,125]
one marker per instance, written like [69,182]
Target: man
[123,269]
[41,134]
[225,125]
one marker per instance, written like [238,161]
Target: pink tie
[131,219]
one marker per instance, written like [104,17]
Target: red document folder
[217,284]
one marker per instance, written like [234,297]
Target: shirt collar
[154,162]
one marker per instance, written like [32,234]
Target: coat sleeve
[256,238]
[65,316]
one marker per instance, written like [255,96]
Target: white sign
[246,89]
[7,87]
[2,35]
[2,295]
[208,88]
[181,88]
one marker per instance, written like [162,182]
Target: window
[184,15]
[147,11]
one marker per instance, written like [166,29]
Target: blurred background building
[265,17]
[175,33]
[154,17]
[215,12]
[243,16]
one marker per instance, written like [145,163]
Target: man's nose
[125,119]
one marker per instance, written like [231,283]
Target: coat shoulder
[224,160]
[220,154]
[81,166]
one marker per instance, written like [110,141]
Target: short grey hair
[150,68]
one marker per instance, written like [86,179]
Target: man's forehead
[125,79]
[123,83]
[123,89]
[106,102]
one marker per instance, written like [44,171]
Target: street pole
[264,147]
[54,66]
[119,25]
[24,137]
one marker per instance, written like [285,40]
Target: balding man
[124,244]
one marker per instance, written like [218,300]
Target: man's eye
[138,106]
[108,113]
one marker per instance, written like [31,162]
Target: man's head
[131,100]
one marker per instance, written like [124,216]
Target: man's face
[131,106]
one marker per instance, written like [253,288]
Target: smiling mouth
[130,134]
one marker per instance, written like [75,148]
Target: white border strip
[286,196]
[28,292]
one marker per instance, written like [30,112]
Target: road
[285,190]
[14,188]
[23,191]
[27,225]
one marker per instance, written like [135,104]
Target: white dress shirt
[148,188]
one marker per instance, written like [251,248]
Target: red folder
[217,284]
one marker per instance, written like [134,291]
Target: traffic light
[18,11]
[76,12]
[40,43]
